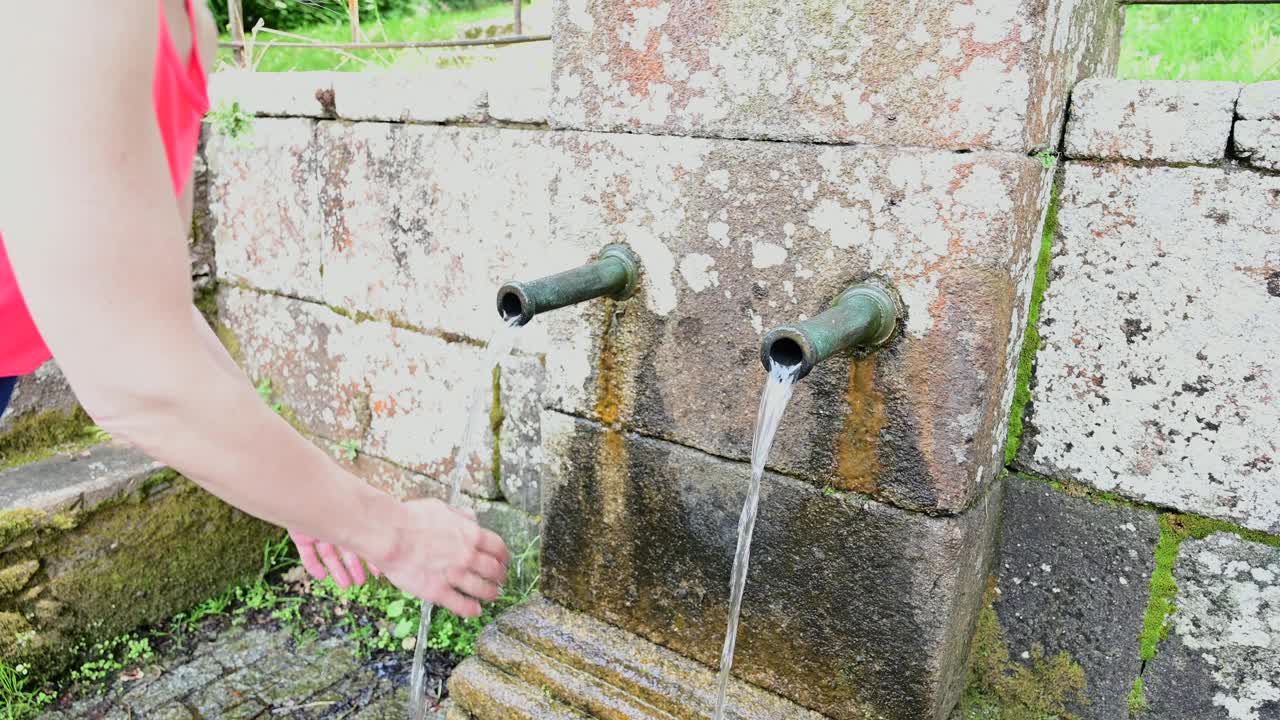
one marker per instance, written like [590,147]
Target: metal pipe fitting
[615,274]
[861,319]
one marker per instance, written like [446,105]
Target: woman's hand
[320,560]
[442,555]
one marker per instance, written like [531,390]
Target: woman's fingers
[354,566]
[456,602]
[335,566]
[488,568]
[467,513]
[472,585]
[490,543]
[310,563]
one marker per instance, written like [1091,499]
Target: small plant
[349,449]
[1047,158]
[230,120]
[97,434]
[1137,699]
[112,656]
[17,700]
[829,491]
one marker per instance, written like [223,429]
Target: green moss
[133,562]
[1001,688]
[206,301]
[1137,699]
[37,437]
[1031,343]
[15,577]
[16,523]
[496,417]
[1155,623]
[230,341]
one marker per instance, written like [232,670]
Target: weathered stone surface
[1257,143]
[987,74]
[516,527]
[640,533]
[430,97]
[736,237]
[1074,577]
[397,394]
[1173,121]
[1222,658]
[523,380]
[204,262]
[1260,101]
[287,94]
[1156,375]
[314,359]
[491,694]
[42,391]
[81,481]
[610,673]
[519,84]
[425,224]
[386,476]
[264,192]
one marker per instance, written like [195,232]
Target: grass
[427,27]
[1201,42]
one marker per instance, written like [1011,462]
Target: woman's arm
[93,232]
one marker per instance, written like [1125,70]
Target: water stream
[773,403]
[500,345]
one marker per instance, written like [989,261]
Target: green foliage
[230,120]
[268,395]
[110,657]
[830,491]
[1137,699]
[1047,158]
[1201,42]
[349,449]
[1001,688]
[293,14]
[18,701]
[39,436]
[1031,341]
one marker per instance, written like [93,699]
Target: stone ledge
[1260,101]
[1170,121]
[81,481]
[543,657]
[447,96]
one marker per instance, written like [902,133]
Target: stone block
[737,237]
[315,360]
[640,533]
[584,663]
[1166,120]
[1222,658]
[1156,375]
[1074,576]
[386,476]
[264,192]
[519,84]
[284,94]
[990,74]
[523,380]
[394,96]
[1260,101]
[424,224]
[44,390]
[399,395]
[1257,143]
[80,481]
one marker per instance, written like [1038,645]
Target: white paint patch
[697,272]
[767,255]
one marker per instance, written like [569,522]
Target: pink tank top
[181,99]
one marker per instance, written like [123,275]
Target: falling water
[773,403]
[500,344]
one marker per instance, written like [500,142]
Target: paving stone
[1172,121]
[986,74]
[173,685]
[239,648]
[1156,374]
[640,533]
[172,711]
[391,707]
[1257,143]
[264,193]
[1222,658]
[1259,101]
[1074,576]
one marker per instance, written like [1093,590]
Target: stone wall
[1142,543]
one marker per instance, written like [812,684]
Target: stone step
[487,693]
[576,688]
[613,674]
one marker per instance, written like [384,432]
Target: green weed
[349,449]
[18,701]
[1239,43]
[1031,342]
[1137,699]
[229,120]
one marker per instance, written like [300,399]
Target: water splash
[500,345]
[773,403]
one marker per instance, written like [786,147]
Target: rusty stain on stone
[858,444]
